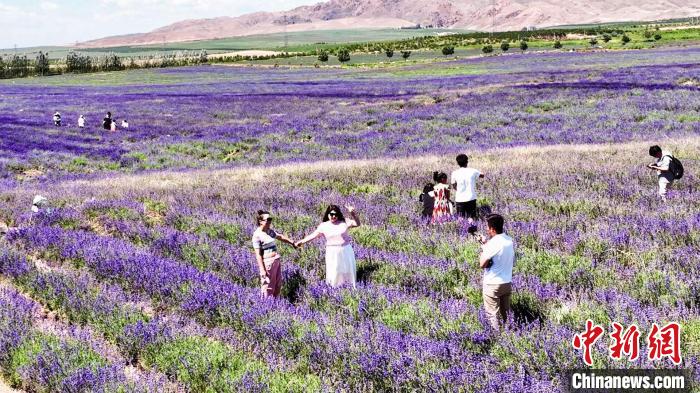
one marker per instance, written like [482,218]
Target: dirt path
[5,388]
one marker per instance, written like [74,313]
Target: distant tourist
[497,258]
[340,257]
[428,201]
[464,182]
[57,119]
[81,121]
[113,125]
[666,168]
[442,210]
[125,124]
[265,247]
[38,203]
[107,121]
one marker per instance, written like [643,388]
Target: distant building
[414,27]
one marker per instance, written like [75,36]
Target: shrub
[523,46]
[505,46]
[448,50]
[487,49]
[657,37]
[606,38]
[389,52]
[343,55]
[323,56]
[625,39]
[557,44]
[405,54]
[593,42]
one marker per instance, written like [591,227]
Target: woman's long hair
[337,210]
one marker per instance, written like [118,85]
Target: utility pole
[286,38]
[493,16]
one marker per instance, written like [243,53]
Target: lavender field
[141,276]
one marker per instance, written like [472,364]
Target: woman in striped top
[265,246]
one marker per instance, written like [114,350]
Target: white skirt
[340,266]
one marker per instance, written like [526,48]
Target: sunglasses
[333,214]
[269,219]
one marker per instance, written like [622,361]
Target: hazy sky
[59,22]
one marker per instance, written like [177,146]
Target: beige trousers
[497,302]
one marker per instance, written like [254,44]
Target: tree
[593,41]
[323,56]
[557,44]
[487,49]
[389,52]
[41,67]
[657,37]
[625,39]
[606,38]
[523,46]
[343,55]
[648,34]
[405,54]
[505,46]
[448,50]
[203,57]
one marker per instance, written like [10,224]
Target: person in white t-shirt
[81,121]
[497,259]
[463,180]
[125,124]
[662,166]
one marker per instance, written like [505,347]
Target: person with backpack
[667,167]
[57,119]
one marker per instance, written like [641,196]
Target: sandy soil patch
[244,53]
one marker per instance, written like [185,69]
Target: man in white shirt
[81,121]
[464,181]
[662,168]
[497,259]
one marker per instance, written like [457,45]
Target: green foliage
[593,41]
[625,39]
[448,50]
[505,45]
[70,356]
[405,54]
[523,46]
[657,37]
[487,49]
[557,44]
[201,364]
[389,52]
[323,56]
[606,38]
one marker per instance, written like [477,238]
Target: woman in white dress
[340,257]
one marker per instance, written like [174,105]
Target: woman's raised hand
[349,208]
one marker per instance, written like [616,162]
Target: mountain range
[481,15]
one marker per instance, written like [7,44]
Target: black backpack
[676,168]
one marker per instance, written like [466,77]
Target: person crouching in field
[497,258]
[340,257]
[442,210]
[265,247]
[663,169]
